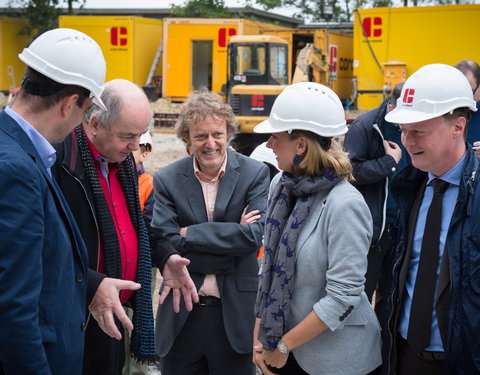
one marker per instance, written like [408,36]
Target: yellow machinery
[261,66]
[392,43]
[195,52]
[132,46]
[11,44]
[257,74]
[332,59]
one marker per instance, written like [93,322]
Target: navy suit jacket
[223,247]
[42,265]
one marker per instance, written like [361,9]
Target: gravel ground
[166,149]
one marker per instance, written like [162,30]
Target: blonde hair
[317,160]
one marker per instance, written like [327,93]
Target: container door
[202,64]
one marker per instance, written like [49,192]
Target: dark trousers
[97,346]
[202,347]
[291,367]
[410,362]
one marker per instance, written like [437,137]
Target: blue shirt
[448,205]
[44,148]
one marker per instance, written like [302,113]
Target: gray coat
[331,261]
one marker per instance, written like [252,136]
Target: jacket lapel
[226,187]
[193,191]
[316,210]
[11,127]
[412,222]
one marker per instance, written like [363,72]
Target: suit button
[83,326]
[79,278]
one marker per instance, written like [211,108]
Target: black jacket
[457,300]
[69,173]
[371,166]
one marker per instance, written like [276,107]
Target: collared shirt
[44,148]
[210,190]
[117,203]
[448,205]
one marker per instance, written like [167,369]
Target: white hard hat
[306,106]
[69,57]
[430,92]
[265,155]
[146,138]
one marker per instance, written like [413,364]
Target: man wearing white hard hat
[430,316]
[43,271]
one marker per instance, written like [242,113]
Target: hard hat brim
[265,127]
[407,116]
[99,102]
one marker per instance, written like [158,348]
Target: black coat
[68,171]
[371,166]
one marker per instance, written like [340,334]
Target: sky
[135,4]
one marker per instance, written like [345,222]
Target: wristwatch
[282,348]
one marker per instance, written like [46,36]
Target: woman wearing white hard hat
[313,316]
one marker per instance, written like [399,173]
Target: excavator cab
[258,60]
[257,73]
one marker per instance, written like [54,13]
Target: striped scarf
[142,345]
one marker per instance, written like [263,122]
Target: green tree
[314,10]
[201,8]
[41,14]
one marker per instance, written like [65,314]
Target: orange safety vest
[260,253]
[145,187]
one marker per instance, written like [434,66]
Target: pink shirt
[210,190]
[117,203]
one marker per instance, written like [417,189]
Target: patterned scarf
[288,208]
[142,345]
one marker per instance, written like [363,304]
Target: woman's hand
[275,358]
[259,362]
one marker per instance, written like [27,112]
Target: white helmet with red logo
[430,92]
[306,106]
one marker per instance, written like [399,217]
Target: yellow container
[129,44]
[195,52]
[11,44]
[415,36]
